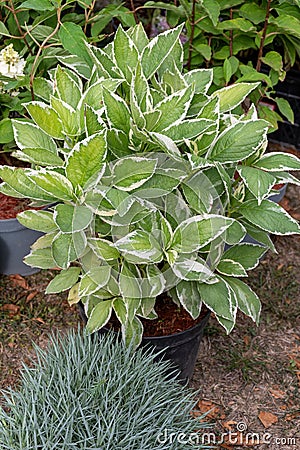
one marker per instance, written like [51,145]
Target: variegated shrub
[153,184]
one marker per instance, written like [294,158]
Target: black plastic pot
[15,242]
[279,194]
[179,348]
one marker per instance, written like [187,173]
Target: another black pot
[15,242]
[179,348]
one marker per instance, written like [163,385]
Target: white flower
[11,65]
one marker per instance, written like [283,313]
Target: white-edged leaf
[132,172]
[218,298]
[87,160]
[39,156]
[269,216]
[29,135]
[41,258]
[191,269]
[125,53]
[259,182]
[117,111]
[248,301]
[46,118]
[233,95]
[99,316]
[67,248]
[158,49]
[231,268]
[188,129]
[71,218]
[278,161]
[53,183]
[200,78]
[239,141]
[103,249]
[38,220]
[189,298]
[63,281]
[246,254]
[198,231]
[139,247]
[94,279]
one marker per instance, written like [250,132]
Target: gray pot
[15,242]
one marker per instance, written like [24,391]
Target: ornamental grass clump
[85,393]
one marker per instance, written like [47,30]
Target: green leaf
[69,117]
[73,40]
[233,95]
[41,258]
[191,269]
[130,286]
[173,108]
[248,301]
[117,111]
[6,131]
[257,181]
[20,180]
[42,88]
[158,50]
[53,183]
[46,118]
[87,160]
[212,8]
[167,145]
[99,316]
[227,70]
[285,108]
[63,281]
[132,172]
[103,249]
[125,53]
[3,30]
[231,268]
[67,88]
[38,220]
[132,332]
[70,218]
[140,247]
[269,216]
[93,280]
[189,297]
[200,78]
[37,5]
[217,297]
[188,129]
[248,255]
[236,24]
[77,64]
[274,60]
[67,248]
[198,231]
[253,12]
[39,156]
[278,161]
[235,233]
[239,141]
[28,135]
[288,24]
[139,36]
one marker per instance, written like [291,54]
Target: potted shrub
[156,184]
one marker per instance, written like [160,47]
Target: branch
[263,36]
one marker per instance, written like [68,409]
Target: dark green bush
[85,393]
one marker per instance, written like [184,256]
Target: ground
[248,381]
